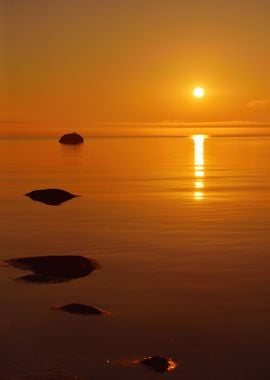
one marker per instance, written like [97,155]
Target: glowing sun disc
[198,92]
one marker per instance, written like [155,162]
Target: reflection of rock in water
[71,139]
[77,308]
[41,279]
[53,197]
[53,269]
[159,364]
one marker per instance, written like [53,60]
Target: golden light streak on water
[199,165]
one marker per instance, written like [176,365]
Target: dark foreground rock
[159,364]
[71,139]
[78,308]
[54,269]
[52,197]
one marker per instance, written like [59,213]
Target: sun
[198,92]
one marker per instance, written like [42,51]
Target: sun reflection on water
[199,165]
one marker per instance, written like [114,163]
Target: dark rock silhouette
[159,364]
[71,139]
[78,308]
[52,197]
[54,269]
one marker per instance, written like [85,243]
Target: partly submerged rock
[71,139]
[52,197]
[156,363]
[78,308]
[159,364]
[53,269]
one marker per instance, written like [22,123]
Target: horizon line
[164,123]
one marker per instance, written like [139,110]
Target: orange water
[184,267]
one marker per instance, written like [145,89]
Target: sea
[180,227]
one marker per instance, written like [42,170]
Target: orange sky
[134,61]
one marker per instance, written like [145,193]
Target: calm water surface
[181,229]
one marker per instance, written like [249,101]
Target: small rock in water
[77,308]
[52,197]
[159,364]
[71,139]
[156,363]
[53,269]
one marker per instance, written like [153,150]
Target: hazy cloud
[259,104]
[186,124]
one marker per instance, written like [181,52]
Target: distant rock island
[52,197]
[71,139]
